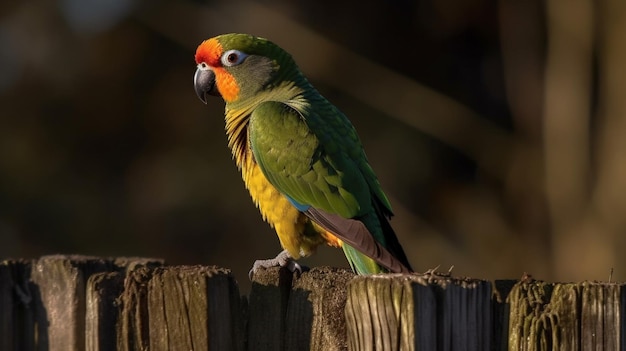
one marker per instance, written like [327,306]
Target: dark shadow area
[299,321]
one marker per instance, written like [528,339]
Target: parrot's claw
[283,259]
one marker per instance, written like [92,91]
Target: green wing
[319,163]
[310,167]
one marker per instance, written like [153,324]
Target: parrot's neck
[238,113]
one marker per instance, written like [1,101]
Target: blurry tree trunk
[522,45]
[609,196]
[566,132]
[522,55]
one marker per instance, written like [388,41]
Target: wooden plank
[600,316]
[501,311]
[59,296]
[7,303]
[176,310]
[315,317]
[423,314]
[226,312]
[572,316]
[132,327]
[466,313]
[543,316]
[16,318]
[43,301]
[102,311]
[180,308]
[102,305]
[418,312]
[60,300]
[267,308]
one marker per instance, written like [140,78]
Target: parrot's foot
[283,259]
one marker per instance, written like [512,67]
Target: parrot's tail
[360,263]
[392,243]
[359,245]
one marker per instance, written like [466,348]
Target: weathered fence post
[48,298]
[60,300]
[16,319]
[418,312]
[315,317]
[267,306]
[573,316]
[287,312]
[102,311]
[180,308]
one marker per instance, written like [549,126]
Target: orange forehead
[209,52]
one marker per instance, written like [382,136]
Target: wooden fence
[89,303]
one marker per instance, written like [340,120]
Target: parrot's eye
[233,57]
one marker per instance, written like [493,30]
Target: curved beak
[204,83]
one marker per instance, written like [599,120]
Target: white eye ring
[233,58]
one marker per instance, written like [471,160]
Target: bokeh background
[497,128]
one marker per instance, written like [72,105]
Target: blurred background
[497,128]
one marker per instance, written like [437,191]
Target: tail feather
[392,243]
[384,214]
[360,263]
[359,240]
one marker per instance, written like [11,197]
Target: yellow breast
[296,233]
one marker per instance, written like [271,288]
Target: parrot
[299,156]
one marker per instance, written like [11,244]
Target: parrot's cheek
[204,84]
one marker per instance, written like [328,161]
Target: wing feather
[297,163]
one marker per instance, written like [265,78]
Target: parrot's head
[238,66]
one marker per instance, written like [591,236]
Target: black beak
[204,84]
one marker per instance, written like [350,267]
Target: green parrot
[299,156]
